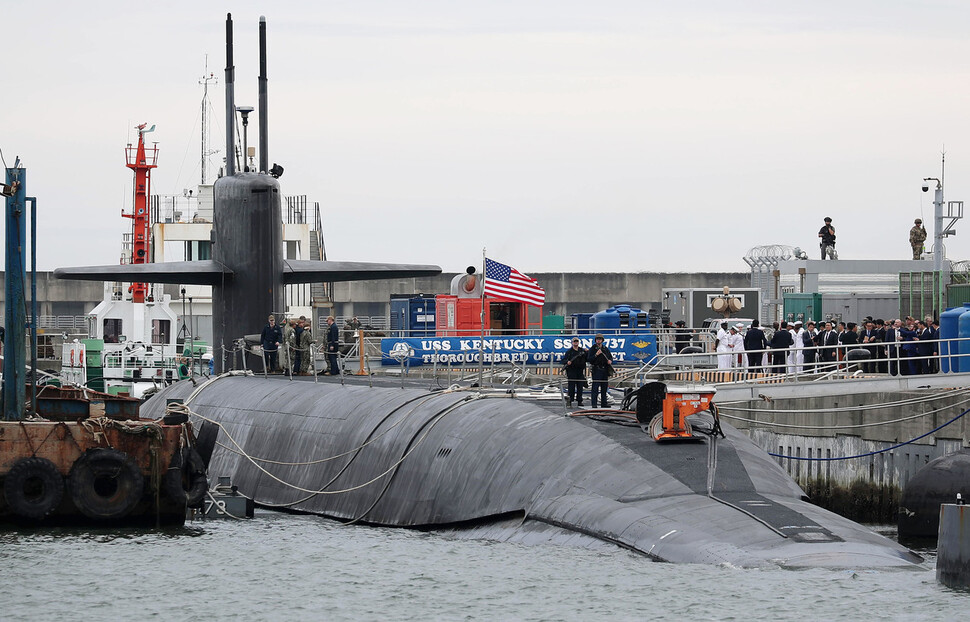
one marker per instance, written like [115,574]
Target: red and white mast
[142,161]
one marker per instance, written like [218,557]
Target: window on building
[197,250]
[45,346]
[292,249]
[161,331]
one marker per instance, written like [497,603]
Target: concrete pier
[953,547]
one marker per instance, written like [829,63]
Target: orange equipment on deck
[679,404]
[666,408]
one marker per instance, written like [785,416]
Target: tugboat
[73,455]
[133,346]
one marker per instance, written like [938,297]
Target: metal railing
[62,322]
[375,322]
[899,358]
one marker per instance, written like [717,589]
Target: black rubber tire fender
[33,488]
[105,484]
[205,440]
[185,481]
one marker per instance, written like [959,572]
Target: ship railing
[125,361]
[782,365]
[898,358]
[61,322]
[367,322]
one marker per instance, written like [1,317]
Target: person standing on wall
[333,345]
[781,340]
[735,341]
[601,361]
[723,347]
[917,235]
[831,342]
[755,339]
[809,338]
[827,233]
[869,336]
[924,348]
[574,362]
[682,337]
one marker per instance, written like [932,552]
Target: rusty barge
[91,460]
[72,455]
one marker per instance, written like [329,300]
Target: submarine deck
[426,456]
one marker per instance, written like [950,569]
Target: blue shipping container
[413,316]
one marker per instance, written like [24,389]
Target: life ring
[185,481]
[105,484]
[33,488]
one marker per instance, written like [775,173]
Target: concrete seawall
[872,427]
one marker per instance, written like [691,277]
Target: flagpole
[481,316]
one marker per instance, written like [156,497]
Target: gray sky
[561,136]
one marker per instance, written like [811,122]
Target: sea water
[298,567]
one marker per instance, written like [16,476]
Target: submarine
[464,460]
[495,466]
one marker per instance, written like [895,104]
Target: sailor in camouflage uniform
[917,235]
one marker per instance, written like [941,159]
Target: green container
[803,307]
[197,350]
[92,359]
[553,324]
[93,345]
[957,294]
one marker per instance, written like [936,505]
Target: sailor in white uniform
[724,348]
[736,339]
[796,356]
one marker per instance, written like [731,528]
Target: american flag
[507,283]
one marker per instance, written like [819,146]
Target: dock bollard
[953,546]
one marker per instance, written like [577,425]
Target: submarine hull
[504,468]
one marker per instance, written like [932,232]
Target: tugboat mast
[138,161]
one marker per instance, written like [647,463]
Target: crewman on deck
[305,344]
[574,362]
[270,339]
[297,348]
[289,340]
[333,346]
[601,361]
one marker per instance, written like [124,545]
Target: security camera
[926,187]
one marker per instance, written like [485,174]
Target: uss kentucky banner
[630,349]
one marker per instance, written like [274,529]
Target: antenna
[206,78]
[230,102]
[943,168]
[263,111]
